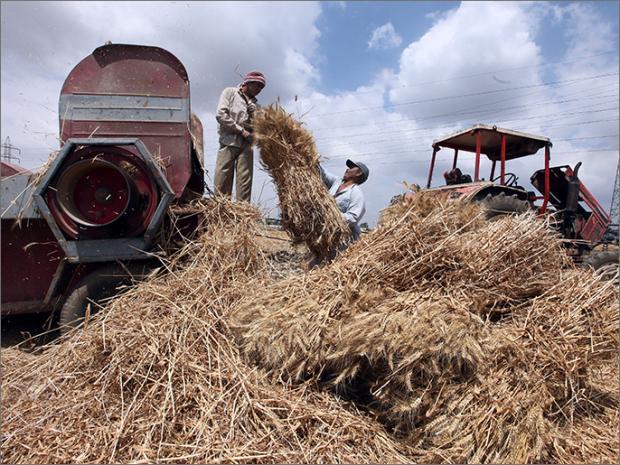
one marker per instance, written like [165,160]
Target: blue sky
[346,62]
[376,81]
[345,32]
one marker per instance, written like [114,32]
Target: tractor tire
[499,205]
[606,263]
[88,295]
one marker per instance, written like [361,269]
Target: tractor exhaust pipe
[572,203]
[572,193]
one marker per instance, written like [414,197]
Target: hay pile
[472,341]
[157,377]
[289,155]
[469,341]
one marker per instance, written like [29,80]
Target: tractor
[130,148]
[574,211]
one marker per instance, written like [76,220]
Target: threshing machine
[130,148]
[574,211]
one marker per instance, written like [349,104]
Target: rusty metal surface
[82,251]
[120,94]
[11,169]
[518,144]
[23,308]
[30,257]
[130,90]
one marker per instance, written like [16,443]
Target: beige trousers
[229,160]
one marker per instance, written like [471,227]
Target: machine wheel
[502,204]
[90,291]
[607,262]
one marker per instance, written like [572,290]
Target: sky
[373,81]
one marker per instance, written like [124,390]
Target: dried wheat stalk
[472,340]
[288,153]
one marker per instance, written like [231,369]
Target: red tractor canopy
[497,144]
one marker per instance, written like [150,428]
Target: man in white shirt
[348,194]
[234,115]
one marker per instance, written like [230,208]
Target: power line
[397,162]
[472,94]
[434,128]
[519,129]
[428,147]
[449,124]
[549,63]
[585,97]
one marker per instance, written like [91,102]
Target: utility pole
[615,201]
[7,148]
[615,205]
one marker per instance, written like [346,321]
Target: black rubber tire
[89,292]
[502,204]
[609,260]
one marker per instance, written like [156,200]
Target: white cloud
[384,37]
[455,47]
[455,57]
[216,41]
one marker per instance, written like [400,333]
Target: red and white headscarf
[255,76]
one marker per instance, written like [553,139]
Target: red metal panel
[503,162]
[596,207]
[594,229]
[543,207]
[478,147]
[430,171]
[9,169]
[30,257]
[121,69]
[131,70]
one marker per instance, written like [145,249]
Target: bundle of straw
[157,377]
[469,341]
[472,340]
[288,153]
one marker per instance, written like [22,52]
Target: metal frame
[476,130]
[102,250]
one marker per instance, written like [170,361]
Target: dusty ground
[285,258]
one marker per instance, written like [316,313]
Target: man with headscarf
[234,115]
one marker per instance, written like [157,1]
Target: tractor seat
[455,176]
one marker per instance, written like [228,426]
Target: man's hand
[246,135]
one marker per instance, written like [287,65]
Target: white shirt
[350,201]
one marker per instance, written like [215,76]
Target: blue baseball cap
[363,168]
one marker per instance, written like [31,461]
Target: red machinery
[130,147]
[578,215]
